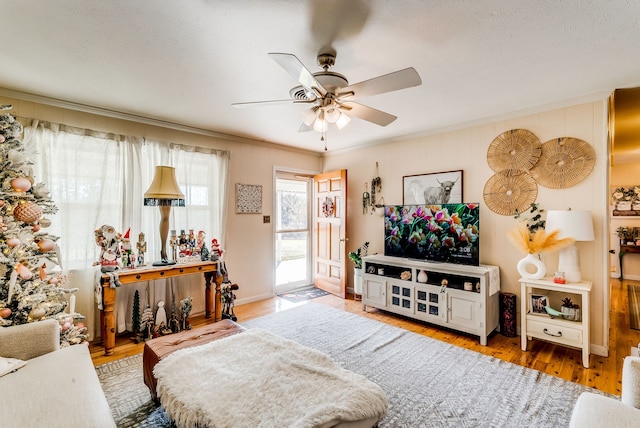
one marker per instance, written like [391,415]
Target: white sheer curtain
[99,178]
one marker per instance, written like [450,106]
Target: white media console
[468,302]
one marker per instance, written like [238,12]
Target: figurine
[110,253]
[227,297]
[216,252]
[161,314]
[141,246]
[191,241]
[126,249]
[174,244]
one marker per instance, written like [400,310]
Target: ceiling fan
[330,95]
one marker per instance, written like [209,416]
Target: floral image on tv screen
[441,233]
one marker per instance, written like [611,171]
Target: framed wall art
[248,198]
[433,188]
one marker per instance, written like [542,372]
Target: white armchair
[593,410]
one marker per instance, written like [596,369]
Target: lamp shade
[164,189]
[571,224]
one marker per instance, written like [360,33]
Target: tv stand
[396,285]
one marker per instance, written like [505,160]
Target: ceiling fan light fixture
[332,115]
[320,125]
[309,115]
[343,120]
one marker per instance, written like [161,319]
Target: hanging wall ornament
[366,199]
[564,163]
[328,207]
[517,149]
[510,191]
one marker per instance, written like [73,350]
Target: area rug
[427,382]
[303,295]
[634,306]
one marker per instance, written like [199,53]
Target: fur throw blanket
[258,379]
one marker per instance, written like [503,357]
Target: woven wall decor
[515,149]
[509,191]
[564,163]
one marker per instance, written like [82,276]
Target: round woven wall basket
[517,149]
[564,163]
[510,191]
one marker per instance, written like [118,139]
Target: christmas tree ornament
[40,191]
[46,245]
[42,273]
[27,212]
[20,184]
[44,222]
[1,203]
[5,313]
[35,227]
[13,242]
[37,313]
[23,271]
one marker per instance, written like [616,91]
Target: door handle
[344,240]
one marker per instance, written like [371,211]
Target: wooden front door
[330,219]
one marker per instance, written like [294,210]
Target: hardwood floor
[603,373]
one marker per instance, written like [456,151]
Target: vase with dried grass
[533,244]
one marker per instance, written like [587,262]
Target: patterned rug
[302,295]
[427,382]
[634,306]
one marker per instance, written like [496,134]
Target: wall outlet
[266,219]
[613,269]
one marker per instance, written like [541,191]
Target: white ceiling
[186,62]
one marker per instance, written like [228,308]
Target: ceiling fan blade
[386,83]
[305,128]
[270,103]
[295,68]
[367,113]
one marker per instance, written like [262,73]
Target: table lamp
[571,224]
[164,193]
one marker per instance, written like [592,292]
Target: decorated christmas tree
[32,286]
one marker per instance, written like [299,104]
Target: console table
[627,249]
[130,276]
[413,288]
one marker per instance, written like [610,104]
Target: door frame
[307,174]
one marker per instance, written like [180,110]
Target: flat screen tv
[439,233]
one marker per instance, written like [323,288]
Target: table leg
[620,257]
[524,296]
[108,320]
[208,300]
[217,303]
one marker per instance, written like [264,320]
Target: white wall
[466,149]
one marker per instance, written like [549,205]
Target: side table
[563,332]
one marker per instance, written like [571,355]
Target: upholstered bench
[156,349]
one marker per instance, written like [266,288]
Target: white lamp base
[569,263]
